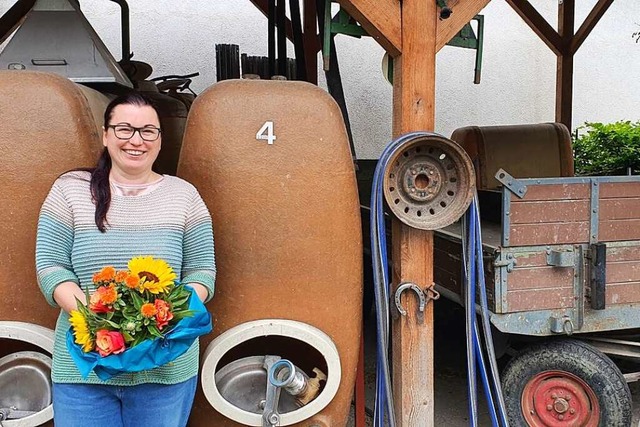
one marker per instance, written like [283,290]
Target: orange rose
[163,313]
[109,342]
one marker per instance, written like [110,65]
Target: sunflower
[81,330]
[155,274]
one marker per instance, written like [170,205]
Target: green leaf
[138,302]
[177,315]
[178,303]
[153,330]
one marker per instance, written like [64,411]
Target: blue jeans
[95,405]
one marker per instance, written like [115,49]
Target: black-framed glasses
[147,133]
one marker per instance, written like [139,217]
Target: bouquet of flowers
[135,320]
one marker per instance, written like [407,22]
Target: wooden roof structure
[411,32]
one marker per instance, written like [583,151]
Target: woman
[106,216]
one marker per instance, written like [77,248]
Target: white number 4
[266,132]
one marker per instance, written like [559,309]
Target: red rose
[102,299]
[96,305]
[109,342]
[163,313]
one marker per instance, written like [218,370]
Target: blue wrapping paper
[148,354]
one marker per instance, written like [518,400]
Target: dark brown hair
[100,188]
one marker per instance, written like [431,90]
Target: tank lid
[56,37]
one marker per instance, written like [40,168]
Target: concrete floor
[451,401]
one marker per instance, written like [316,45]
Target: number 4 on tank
[266,132]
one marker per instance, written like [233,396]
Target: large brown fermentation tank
[287,235]
[47,126]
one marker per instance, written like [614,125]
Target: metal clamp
[511,183]
[423,297]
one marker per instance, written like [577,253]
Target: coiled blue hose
[474,272]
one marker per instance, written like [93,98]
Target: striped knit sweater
[170,222]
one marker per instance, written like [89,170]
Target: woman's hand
[201,291]
[66,293]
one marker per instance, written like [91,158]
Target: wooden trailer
[562,264]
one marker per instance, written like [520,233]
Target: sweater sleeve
[54,242]
[198,261]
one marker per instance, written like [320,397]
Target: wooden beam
[583,32]
[463,12]
[564,74]
[414,109]
[311,40]
[263,6]
[539,25]
[381,19]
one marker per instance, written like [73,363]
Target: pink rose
[109,342]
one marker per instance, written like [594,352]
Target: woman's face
[132,157]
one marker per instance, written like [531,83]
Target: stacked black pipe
[260,65]
[227,61]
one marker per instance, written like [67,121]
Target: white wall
[518,73]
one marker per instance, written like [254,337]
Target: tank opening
[242,379]
[25,384]
[303,355]
[8,346]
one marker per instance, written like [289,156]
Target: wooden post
[414,109]
[564,75]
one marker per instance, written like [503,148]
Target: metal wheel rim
[429,183]
[559,399]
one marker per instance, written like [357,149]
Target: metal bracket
[562,325]
[505,260]
[424,297]
[557,258]
[511,183]
[430,292]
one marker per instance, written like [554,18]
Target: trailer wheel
[565,383]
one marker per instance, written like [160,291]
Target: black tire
[543,375]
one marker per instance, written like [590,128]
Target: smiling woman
[133,139]
[106,215]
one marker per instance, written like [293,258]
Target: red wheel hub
[559,399]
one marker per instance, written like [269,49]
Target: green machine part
[342,23]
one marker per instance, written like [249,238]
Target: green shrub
[607,149]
